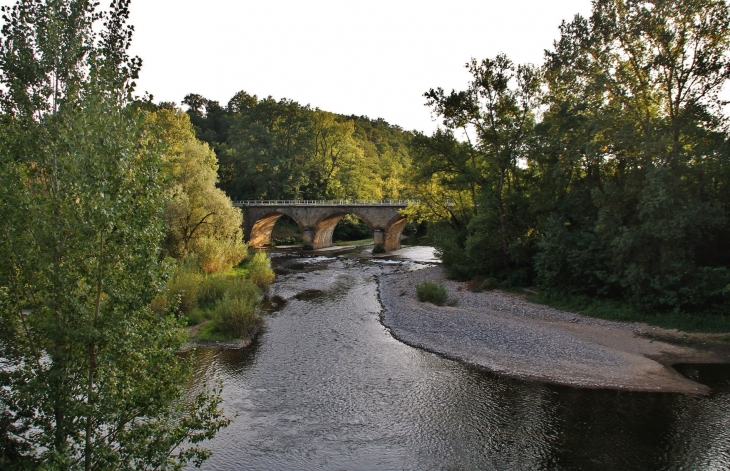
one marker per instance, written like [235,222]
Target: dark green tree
[635,163]
[281,149]
[496,116]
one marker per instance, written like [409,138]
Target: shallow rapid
[326,386]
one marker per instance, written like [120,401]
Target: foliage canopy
[605,172]
[89,376]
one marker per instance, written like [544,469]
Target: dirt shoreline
[193,342]
[503,333]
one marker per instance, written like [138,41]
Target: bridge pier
[379,241]
[308,238]
[317,221]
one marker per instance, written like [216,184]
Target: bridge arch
[262,228]
[393,234]
[317,220]
[325,226]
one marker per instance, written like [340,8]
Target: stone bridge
[317,220]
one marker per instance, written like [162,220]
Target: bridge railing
[324,202]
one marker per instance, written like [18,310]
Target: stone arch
[325,226]
[393,234]
[339,213]
[263,227]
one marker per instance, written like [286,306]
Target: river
[326,386]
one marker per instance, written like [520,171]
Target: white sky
[373,58]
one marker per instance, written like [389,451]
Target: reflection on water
[327,387]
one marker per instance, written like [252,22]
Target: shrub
[211,254]
[489,284]
[260,272]
[159,304]
[195,317]
[237,252]
[212,289]
[184,286]
[236,314]
[432,292]
[215,255]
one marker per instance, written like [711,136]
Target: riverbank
[193,342]
[503,333]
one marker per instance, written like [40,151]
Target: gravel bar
[503,333]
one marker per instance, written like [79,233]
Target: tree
[198,215]
[268,150]
[498,109]
[444,192]
[271,149]
[386,155]
[636,153]
[89,375]
[337,165]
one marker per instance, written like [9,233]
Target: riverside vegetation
[111,223]
[227,302]
[205,241]
[600,178]
[431,292]
[90,377]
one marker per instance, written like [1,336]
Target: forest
[603,172]
[600,174]
[271,149]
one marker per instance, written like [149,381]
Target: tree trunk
[88,453]
[503,224]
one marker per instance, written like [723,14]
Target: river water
[326,386]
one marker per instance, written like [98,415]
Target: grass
[198,315]
[241,271]
[230,298]
[209,333]
[354,242]
[622,311]
[432,292]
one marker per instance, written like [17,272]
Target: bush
[236,313]
[489,284]
[195,316]
[215,255]
[432,292]
[184,286]
[260,272]
[213,288]
[229,299]
[159,304]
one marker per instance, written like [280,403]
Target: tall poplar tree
[89,376]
